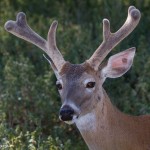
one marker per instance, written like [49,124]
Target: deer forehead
[74,72]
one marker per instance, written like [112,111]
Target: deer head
[80,85]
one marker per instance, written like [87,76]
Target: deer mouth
[69,122]
[74,119]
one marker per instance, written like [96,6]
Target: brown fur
[117,131]
[114,130]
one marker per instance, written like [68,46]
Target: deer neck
[96,126]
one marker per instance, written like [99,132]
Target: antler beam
[21,29]
[110,40]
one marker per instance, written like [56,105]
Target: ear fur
[53,66]
[119,64]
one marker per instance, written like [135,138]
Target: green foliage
[16,139]
[29,102]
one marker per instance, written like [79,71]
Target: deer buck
[84,101]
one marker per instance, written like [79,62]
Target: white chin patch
[72,121]
[69,122]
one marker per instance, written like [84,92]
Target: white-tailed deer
[84,101]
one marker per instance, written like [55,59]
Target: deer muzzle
[67,114]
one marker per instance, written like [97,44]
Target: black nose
[66,113]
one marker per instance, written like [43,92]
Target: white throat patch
[86,122]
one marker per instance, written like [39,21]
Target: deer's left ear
[119,64]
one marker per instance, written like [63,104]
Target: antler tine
[110,40]
[53,50]
[21,29]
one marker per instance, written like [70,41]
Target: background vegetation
[29,101]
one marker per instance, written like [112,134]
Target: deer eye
[59,86]
[90,84]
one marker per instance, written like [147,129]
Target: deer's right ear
[53,66]
[119,64]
